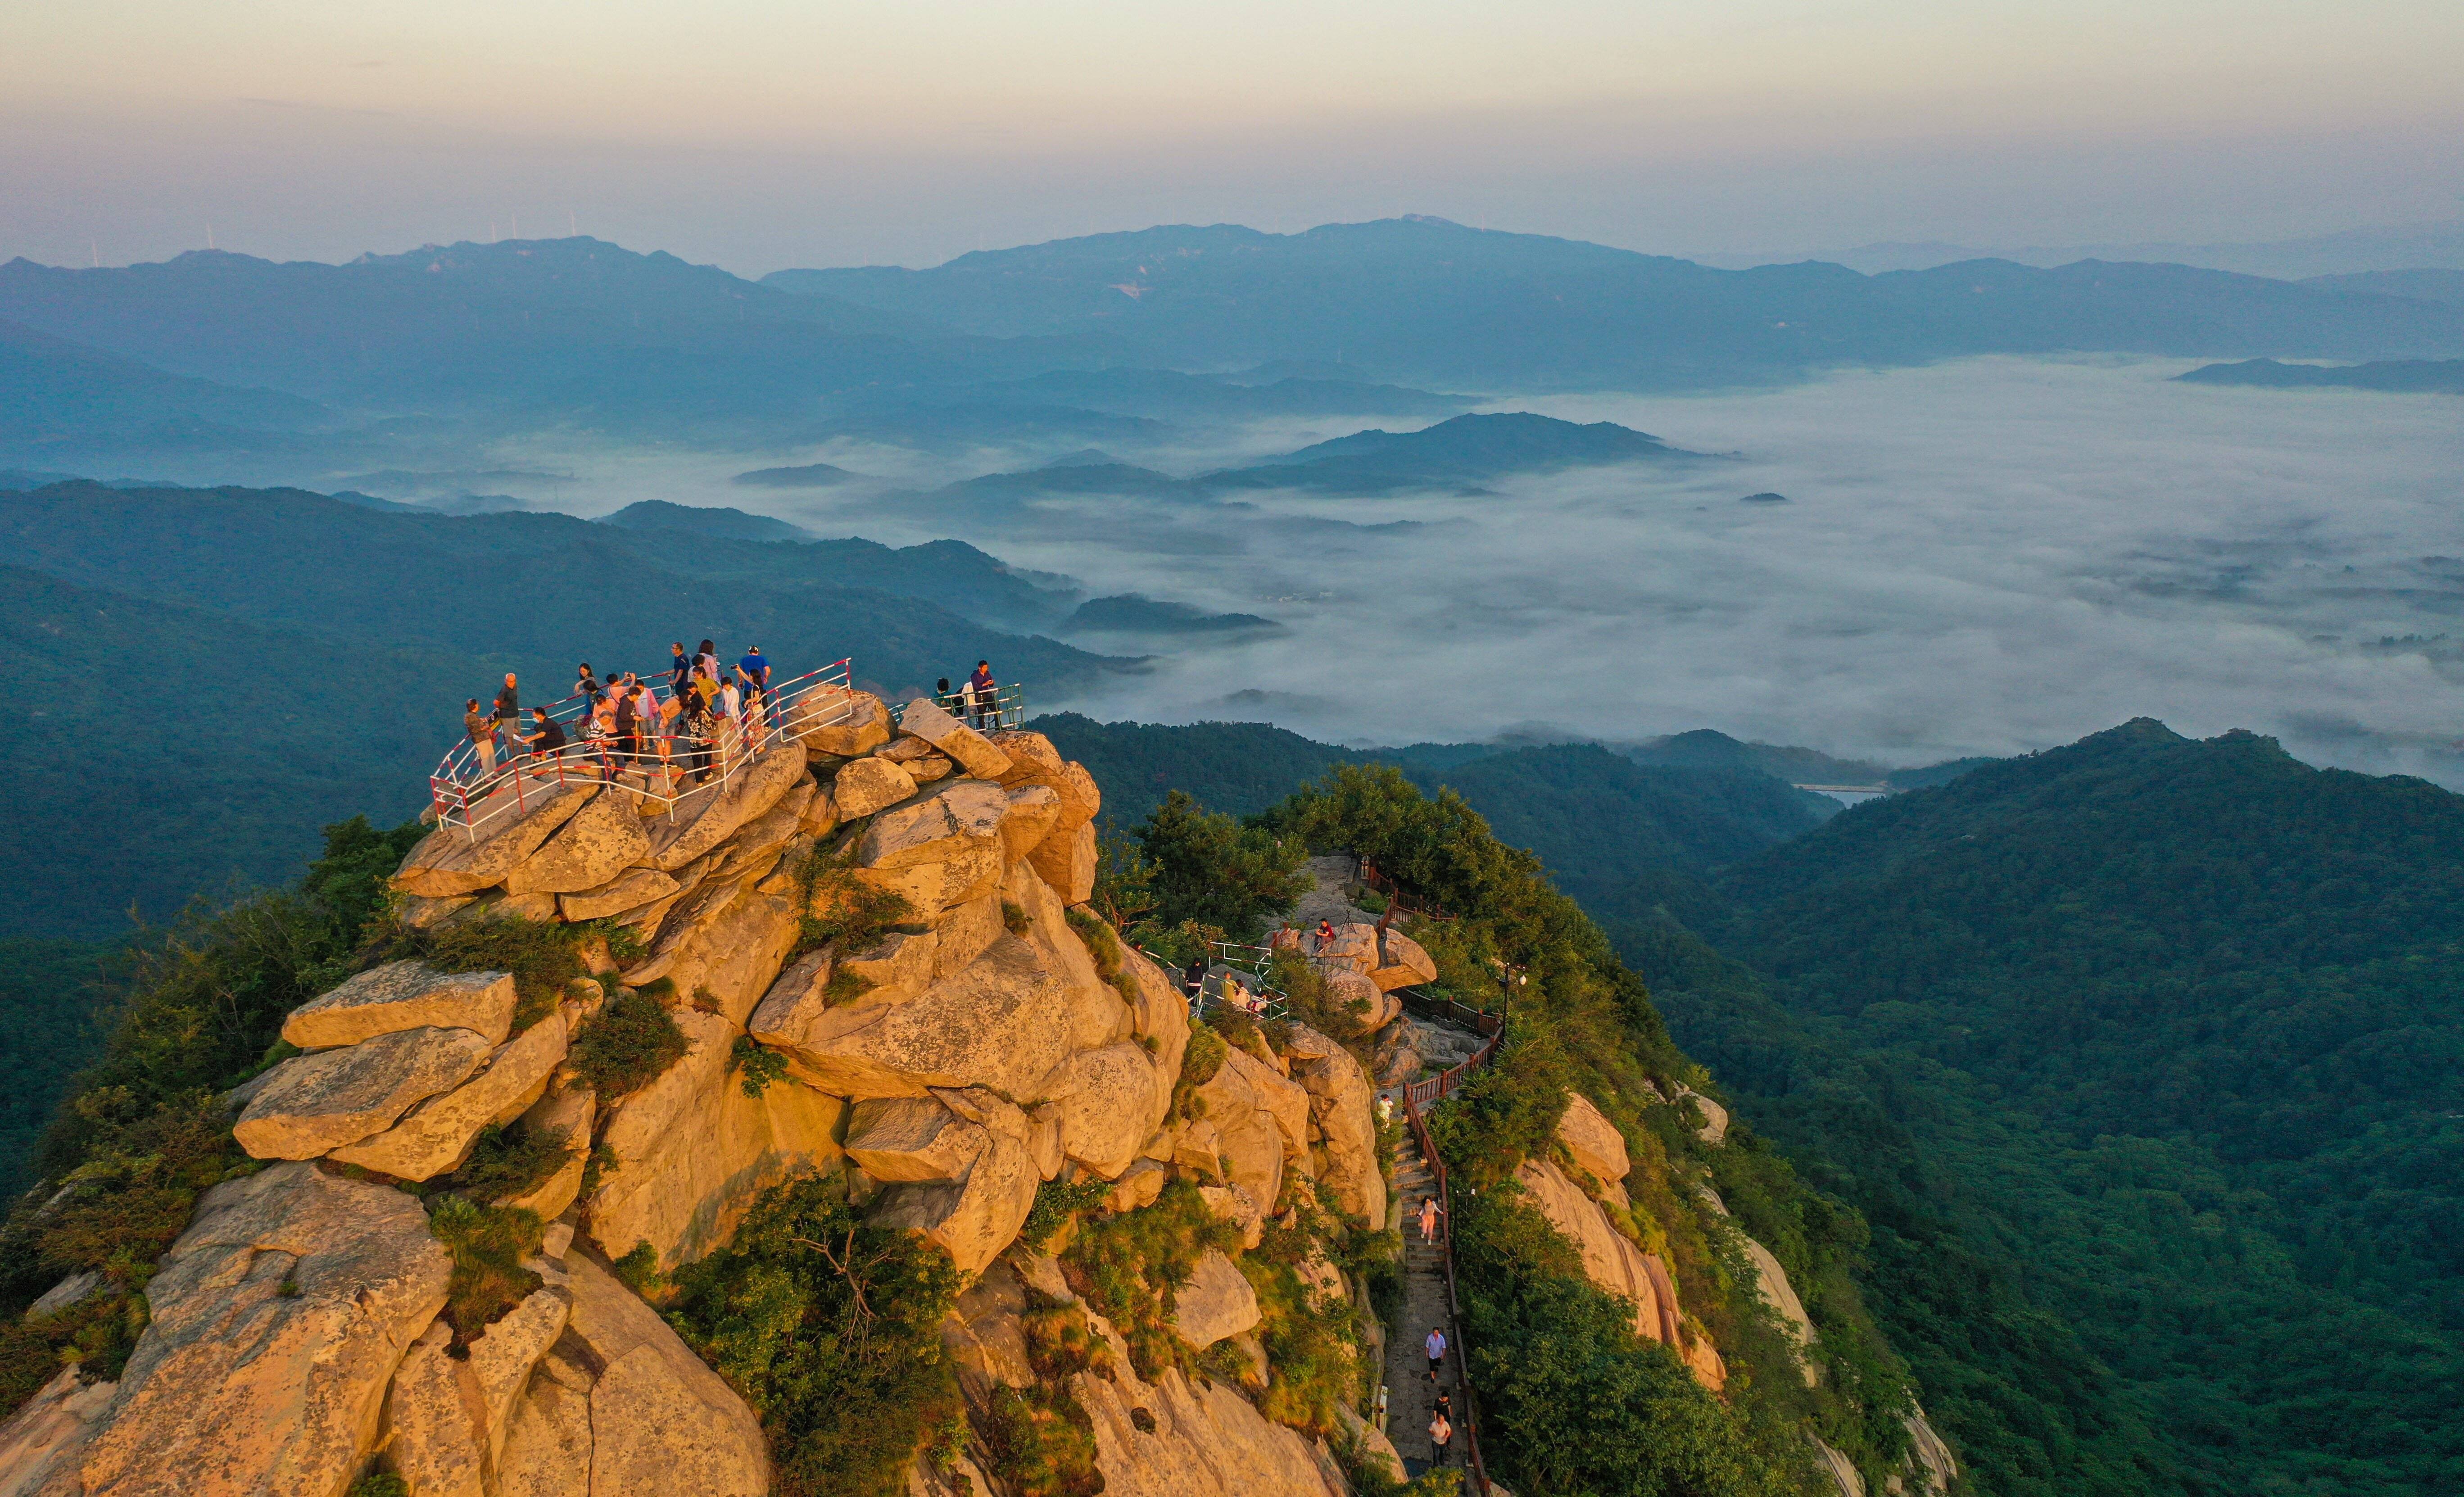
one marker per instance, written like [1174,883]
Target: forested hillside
[239,667]
[2162,1038]
[1595,817]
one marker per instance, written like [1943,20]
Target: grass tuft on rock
[627,1045]
[830,1328]
[544,956]
[488,1244]
[509,1160]
[756,1064]
[1055,1203]
[1043,1443]
[1128,1266]
[842,911]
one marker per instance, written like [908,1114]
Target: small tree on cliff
[1210,869]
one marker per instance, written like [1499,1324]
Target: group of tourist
[977,702]
[1232,991]
[711,715]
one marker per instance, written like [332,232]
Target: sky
[758,134]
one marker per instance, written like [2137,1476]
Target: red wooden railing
[1397,901]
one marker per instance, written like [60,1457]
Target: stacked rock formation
[1611,1259]
[972,1053]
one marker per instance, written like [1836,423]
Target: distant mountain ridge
[56,395]
[731,524]
[2409,376]
[1463,449]
[1123,342]
[1421,299]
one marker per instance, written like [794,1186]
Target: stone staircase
[1410,1395]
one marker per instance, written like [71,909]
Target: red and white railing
[659,764]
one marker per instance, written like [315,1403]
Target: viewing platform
[663,765]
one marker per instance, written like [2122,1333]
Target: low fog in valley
[1986,556]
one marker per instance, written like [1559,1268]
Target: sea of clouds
[1982,557]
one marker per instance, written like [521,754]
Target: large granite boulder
[1171,1438]
[564,1115]
[1161,1012]
[867,785]
[1364,1004]
[755,848]
[1617,1266]
[903,963]
[1217,1302]
[927,720]
[692,1151]
[1931,1465]
[436,1135]
[1034,760]
[1233,1204]
[933,828]
[44,1441]
[503,1357]
[404,994]
[976,1217]
[835,722]
[728,939]
[1340,1102]
[312,1104]
[1609,1260]
[1093,1010]
[277,1321]
[1249,1144]
[452,860]
[651,1416]
[547,1435]
[1175,1439]
[989,1023]
[1354,946]
[595,843]
[629,890]
[430,1439]
[1715,1117]
[913,1140]
[707,817]
[1111,1100]
[1402,962]
[1280,1099]
[1034,812]
[1593,1140]
[1066,861]
[1772,1285]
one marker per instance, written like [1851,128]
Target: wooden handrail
[1414,1095]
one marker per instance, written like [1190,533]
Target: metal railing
[1416,1096]
[1008,711]
[467,792]
[1273,1003]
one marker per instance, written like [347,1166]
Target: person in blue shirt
[758,670]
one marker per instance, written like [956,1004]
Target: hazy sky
[758,134]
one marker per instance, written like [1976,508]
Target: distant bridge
[1847,790]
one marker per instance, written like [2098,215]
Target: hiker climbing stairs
[1410,1397]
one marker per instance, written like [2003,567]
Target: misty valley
[1888,844]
